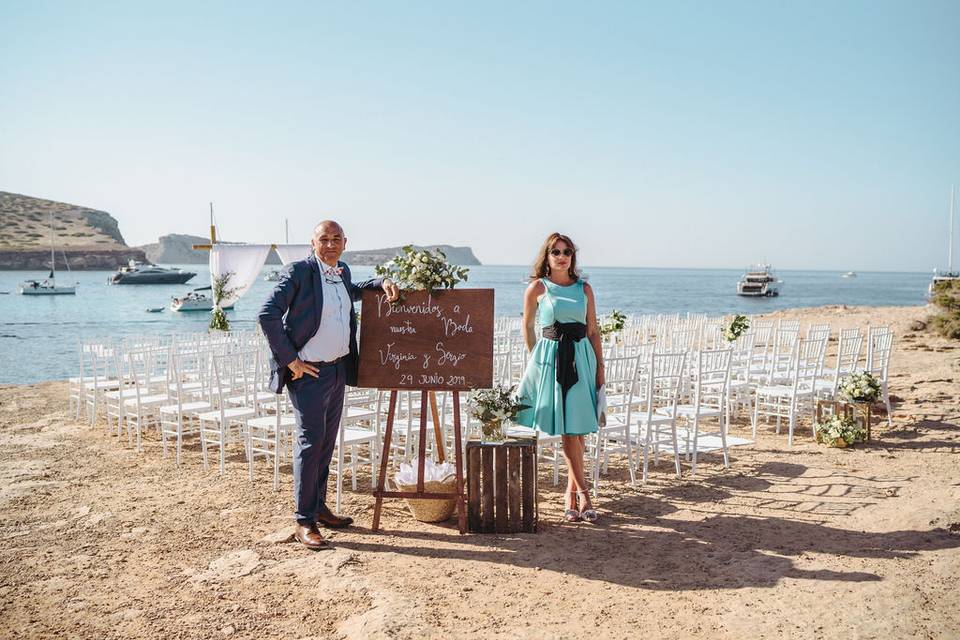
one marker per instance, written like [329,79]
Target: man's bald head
[328,241]
[328,225]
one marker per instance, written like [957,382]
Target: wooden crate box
[502,486]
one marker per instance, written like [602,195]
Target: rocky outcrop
[91,260]
[105,223]
[89,238]
[26,225]
[177,248]
[456,255]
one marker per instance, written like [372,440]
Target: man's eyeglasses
[557,252]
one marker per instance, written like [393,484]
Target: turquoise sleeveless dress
[539,387]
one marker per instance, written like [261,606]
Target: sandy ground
[98,541]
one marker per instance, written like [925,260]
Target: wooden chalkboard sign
[440,340]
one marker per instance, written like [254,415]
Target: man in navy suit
[311,326]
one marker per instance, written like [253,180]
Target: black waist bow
[566,334]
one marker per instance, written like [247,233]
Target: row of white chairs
[671,382]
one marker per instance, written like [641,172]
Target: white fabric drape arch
[242,261]
[292,252]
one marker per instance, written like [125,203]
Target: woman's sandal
[589,514]
[571,515]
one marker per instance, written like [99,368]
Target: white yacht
[951,274]
[196,300]
[849,274]
[759,281]
[47,286]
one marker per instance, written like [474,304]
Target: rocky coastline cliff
[84,238]
[90,239]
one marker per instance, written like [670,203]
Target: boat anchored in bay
[48,286]
[195,300]
[759,281]
[139,273]
[951,275]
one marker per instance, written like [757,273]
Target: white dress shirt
[332,339]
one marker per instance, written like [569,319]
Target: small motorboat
[196,300]
[154,309]
[849,274]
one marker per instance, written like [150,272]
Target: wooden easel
[426,398]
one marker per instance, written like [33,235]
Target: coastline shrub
[946,296]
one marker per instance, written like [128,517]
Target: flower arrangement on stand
[492,407]
[423,270]
[860,387]
[613,324]
[839,431]
[221,291]
[737,327]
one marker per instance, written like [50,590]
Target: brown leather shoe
[331,521]
[308,536]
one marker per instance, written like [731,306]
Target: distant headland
[91,240]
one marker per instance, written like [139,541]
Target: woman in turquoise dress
[565,367]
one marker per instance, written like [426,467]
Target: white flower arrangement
[860,387]
[423,270]
[498,403]
[737,327]
[839,431]
[493,406]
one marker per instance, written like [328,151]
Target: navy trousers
[317,405]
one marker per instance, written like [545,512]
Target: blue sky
[814,134]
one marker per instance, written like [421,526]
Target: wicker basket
[430,509]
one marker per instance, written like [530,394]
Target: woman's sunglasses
[558,252]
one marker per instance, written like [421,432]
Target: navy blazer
[291,316]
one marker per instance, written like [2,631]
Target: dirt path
[98,541]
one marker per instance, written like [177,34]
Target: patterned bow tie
[333,271]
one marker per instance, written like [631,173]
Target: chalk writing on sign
[427,340]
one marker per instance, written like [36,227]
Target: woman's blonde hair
[541,266]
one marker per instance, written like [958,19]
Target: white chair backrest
[712,377]
[817,331]
[661,379]
[880,343]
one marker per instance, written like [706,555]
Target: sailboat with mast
[951,274]
[48,286]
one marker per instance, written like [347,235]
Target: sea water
[39,335]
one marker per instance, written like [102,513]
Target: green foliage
[221,291]
[218,321]
[614,324]
[947,325]
[423,270]
[946,296]
[737,327]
